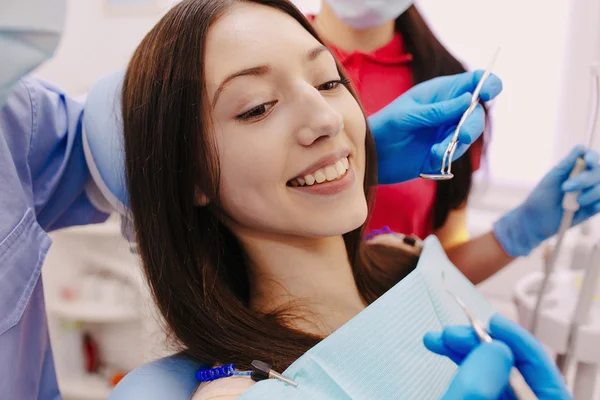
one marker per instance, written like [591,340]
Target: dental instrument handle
[570,207]
[570,199]
[486,74]
[516,381]
[519,386]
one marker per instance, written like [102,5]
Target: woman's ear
[200,198]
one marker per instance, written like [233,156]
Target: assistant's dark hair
[195,266]
[431,59]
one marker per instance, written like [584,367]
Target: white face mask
[30,31]
[363,14]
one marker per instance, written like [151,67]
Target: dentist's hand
[538,218]
[413,132]
[484,368]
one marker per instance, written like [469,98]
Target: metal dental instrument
[517,383]
[585,300]
[569,204]
[446,174]
[261,370]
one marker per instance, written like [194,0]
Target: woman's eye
[332,85]
[256,113]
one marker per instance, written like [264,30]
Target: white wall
[96,41]
[583,50]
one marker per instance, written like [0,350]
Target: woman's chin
[342,221]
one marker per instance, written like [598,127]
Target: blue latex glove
[485,367]
[538,218]
[413,132]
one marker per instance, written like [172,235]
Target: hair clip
[376,232]
[410,240]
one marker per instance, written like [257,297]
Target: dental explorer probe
[446,171]
[516,381]
[569,203]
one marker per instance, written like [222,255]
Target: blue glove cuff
[513,234]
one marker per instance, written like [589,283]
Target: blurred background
[101,318]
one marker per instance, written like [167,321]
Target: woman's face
[291,137]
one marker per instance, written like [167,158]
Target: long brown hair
[195,266]
[431,59]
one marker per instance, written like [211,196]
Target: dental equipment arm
[582,308]
[570,205]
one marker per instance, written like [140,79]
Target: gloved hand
[538,218]
[484,368]
[413,132]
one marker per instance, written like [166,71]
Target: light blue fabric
[30,31]
[379,354]
[170,378]
[103,138]
[42,177]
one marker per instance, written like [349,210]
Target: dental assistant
[386,47]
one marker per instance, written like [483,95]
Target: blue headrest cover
[103,140]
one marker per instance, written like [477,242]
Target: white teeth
[320,176]
[339,167]
[329,173]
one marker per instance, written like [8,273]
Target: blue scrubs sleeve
[42,178]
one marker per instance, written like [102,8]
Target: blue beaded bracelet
[211,374]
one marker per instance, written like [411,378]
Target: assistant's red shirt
[379,78]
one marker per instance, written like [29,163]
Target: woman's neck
[346,38]
[311,277]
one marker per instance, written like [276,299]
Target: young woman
[250,169]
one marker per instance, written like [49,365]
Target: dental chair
[167,378]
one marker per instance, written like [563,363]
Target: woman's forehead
[250,35]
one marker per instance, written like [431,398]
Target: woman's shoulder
[229,388]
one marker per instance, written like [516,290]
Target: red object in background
[67,294]
[90,353]
[116,378]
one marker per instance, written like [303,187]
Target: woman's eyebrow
[262,70]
